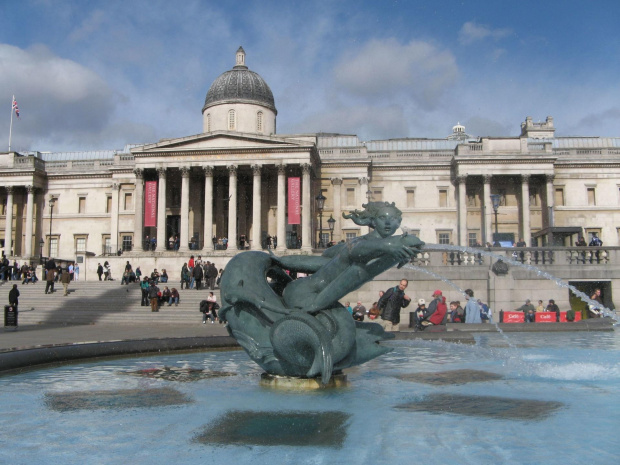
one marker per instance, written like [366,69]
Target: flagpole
[11,126]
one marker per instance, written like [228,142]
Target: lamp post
[49,244]
[41,245]
[495,198]
[369,195]
[331,222]
[320,203]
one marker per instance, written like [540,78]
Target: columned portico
[337,202]
[488,207]
[161,211]
[8,229]
[550,199]
[184,231]
[114,218]
[525,208]
[462,210]
[29,220]
[306,211]
[281,215]
[208,217]
[138,208]
[232,207]
[256,210]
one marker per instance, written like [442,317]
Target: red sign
[294,201]
[545,317]
[514,317]
[564,320]
[150,203]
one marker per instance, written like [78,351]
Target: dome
[240,85]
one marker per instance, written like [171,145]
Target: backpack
[570,315]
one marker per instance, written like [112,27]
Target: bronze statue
[297,327]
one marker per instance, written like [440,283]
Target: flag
[15,107]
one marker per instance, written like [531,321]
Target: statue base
[302,384]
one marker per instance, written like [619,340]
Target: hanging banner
[294,199]
[150,203]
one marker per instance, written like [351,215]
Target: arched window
[259,121]
[231,120]
[208,122]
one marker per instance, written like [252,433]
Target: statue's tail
[301,341]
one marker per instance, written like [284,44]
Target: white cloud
[472,32]
[386,69]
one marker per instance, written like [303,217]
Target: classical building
[243,183]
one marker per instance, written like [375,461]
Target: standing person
[594,312]
[212,276]
[107,275]
[76,272]
[13,297]
[390,304]
[70,270]
[153,291]
[197,276]
[65,279]
[185,276]
[49,280]
[99,270]
[190,266]
[214,241]
[144,287]
[552,307]
[472,311]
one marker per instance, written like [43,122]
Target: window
[128,201]
[351,235]
[231,120]
[325,238]
[3,207]
[80,245]
[208,122]
[559,196]
[53,246]
[533,196]
[377,195]
[81,204]
[502,197]
[127,243]
[410,198]
[350,196]
[108,204]
[591,196]
[472,239]
[443,198]
[444,237]
[107,245]
[259,121]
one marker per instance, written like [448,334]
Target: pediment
[219,141]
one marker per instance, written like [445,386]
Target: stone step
[93,302]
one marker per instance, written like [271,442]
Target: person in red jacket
[439,316]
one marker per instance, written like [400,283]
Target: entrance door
[173,224]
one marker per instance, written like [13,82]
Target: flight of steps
[102,302]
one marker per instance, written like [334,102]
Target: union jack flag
[15,107]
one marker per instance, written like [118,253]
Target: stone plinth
[301,384]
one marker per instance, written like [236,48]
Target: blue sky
[91,75]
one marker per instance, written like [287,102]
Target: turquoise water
[96,413]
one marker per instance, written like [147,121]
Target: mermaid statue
[297,327]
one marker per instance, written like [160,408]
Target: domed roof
[240,85]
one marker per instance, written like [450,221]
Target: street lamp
[495,199]
[49,244]
[320,203]
[369,195]
[331,222]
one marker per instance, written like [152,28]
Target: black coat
[13,295]
[391,303]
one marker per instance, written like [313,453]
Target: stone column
[488,209]
[232,208]
[114,218]
[550,199]
[363,189]
[29,222]
[208,220]
[462,210]
[281,217]
[161,211]
[525,208]
[184,235]
[337,203]
[8,228]
[306,209]
[138,218]
[256,210]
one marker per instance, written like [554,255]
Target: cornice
[222,151]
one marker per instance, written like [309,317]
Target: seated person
[552,307]
[125,279]
[165,295]
[174,297]
[155,276]
[529,310]
[420,313]
[456,312]
[438,316]
[359,311]
[164,276]
[374,311]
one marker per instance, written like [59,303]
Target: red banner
[545,317]
[514,317]
[564,320]
[150,203]
[294,201]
